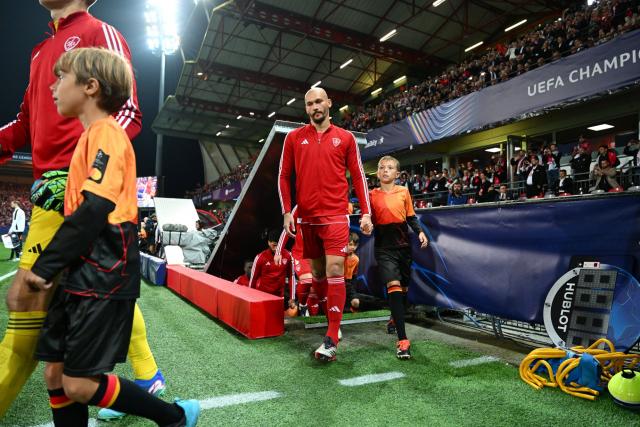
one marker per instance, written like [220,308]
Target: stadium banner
[230,192]
[606,67]
[503,259]
[387,139]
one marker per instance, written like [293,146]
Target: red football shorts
[325,239]
[302,267]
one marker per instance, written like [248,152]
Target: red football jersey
[268,277]
[53,137]
[320,163]
[242,280]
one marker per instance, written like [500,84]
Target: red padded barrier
[206,298]
[173,279]
[253,313]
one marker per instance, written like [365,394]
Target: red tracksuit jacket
[268,277]
[320,165]
[53,137]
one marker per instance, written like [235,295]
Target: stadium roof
[257,56]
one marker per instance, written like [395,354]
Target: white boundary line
[6,276]
[238,399]
[215,402]
[473,362]
[347,322]
[370,379]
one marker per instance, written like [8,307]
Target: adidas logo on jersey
[335,308]
[305,142]
[268,263]
[37,249]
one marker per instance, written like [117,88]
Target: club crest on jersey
[336,141]
[71,42]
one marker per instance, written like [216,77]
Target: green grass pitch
[201,358]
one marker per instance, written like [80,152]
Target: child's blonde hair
[389,159]
[111,70]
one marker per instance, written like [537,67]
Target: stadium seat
[253,313]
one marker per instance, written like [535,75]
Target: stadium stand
[241,172]
[577,30]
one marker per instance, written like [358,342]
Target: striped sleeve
[284,174]
[256,271]
[354,163]
[129,116]
[284,237]
[16,133]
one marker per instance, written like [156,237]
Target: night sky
[23,24]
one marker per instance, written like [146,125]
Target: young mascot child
[88,325]
[392,210]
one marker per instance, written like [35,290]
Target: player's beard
[318,120]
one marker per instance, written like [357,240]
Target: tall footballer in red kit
[320,154]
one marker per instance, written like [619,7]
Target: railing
[533,334]
[628,177]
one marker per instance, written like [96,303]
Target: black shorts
[394,264]
[88,335]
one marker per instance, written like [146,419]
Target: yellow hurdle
[610,361]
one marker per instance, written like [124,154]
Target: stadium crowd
[239,173]
[535,173]
[578,29]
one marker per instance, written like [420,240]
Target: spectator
[520,163]
[580,162]
[503,194]
[536,178]
[10,192]
[416,184]
[456,197]
[551,161]
[466,179]
[489,196]
[631,149]
[609,154]
[564,184]
[604,175]
[16,230]
[484,184]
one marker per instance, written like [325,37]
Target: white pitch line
[237,399]
[472,362]
[6,276]
[370,379]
